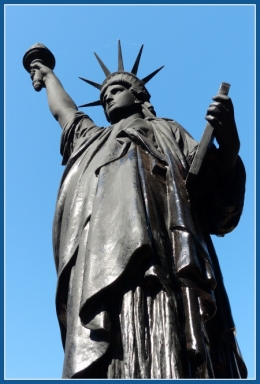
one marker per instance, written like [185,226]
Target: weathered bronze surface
[140,292]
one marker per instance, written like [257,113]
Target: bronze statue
[140,292]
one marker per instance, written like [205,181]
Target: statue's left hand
[220,115]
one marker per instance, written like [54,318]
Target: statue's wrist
[49,77]
[48,73]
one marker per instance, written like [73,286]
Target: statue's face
[118,101]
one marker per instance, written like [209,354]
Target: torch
[38,53]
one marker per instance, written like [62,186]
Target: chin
[111,117]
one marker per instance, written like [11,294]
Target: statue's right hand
[37,67]
[39,73]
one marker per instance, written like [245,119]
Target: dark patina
[140,292]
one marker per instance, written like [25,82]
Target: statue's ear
[148,109]
[134,94]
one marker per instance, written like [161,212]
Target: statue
[140,292]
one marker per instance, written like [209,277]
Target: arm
[60,103]
[220,115]
[220,195]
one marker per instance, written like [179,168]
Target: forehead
[114,86]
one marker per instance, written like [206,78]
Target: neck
[136,115]
[129,115]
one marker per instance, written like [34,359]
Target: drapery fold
[124,218]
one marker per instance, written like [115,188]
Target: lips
[110,104]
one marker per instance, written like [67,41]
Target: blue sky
[200,46]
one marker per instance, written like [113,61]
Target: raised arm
[60,103]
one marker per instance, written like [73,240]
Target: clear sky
[200,46]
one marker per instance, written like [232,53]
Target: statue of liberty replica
[140,292]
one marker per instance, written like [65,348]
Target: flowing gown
[140,292]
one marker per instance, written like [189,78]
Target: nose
[108,97]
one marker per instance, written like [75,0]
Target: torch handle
[37,80]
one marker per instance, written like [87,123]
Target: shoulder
[182,137]
[77,117]
[175,127]
[79,128]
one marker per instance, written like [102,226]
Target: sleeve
[219,200]
[77,130]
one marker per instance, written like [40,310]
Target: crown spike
[120,70]
[136,64]
[120,58]
[93,104]
[149,77]
[96,85]
[102,65]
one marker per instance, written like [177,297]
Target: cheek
[127,100]
[106,109]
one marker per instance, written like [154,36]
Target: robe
[140,292]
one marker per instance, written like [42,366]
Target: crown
[119,76]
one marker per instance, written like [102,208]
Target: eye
[117,90]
